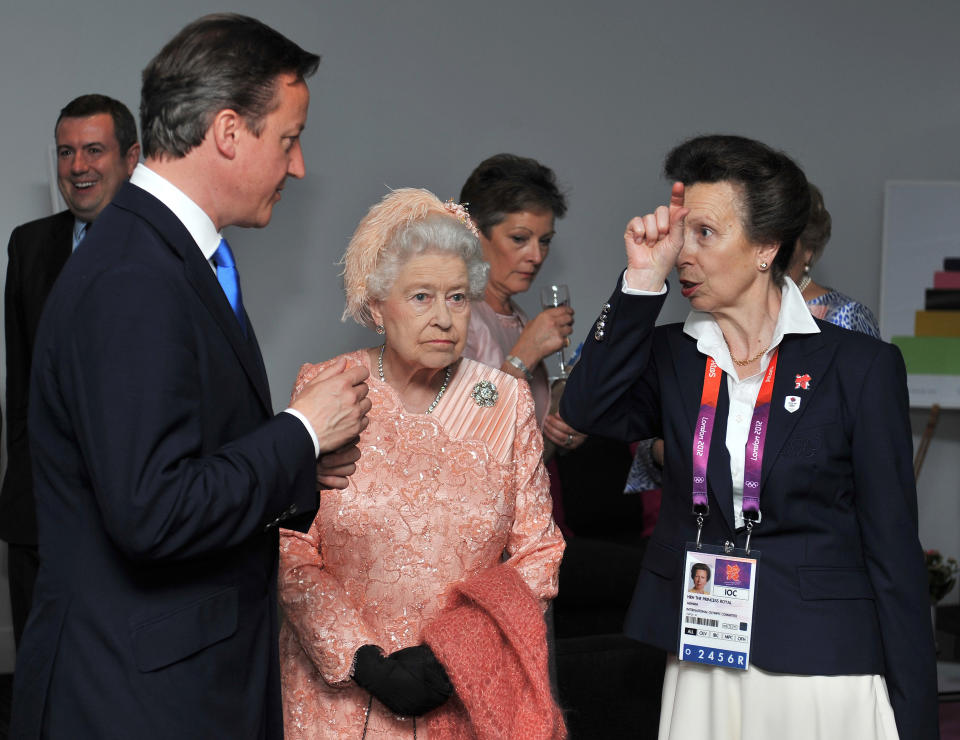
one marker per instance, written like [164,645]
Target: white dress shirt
[794,318]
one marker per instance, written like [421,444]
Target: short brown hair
[504,184]
[124,126]
[775,195]
[218,61]
[819,226]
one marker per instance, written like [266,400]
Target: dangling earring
[380,329]
[806,279]
[763,265]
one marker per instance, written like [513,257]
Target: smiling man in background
[97,150]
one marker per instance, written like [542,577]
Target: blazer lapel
[689,365]
[62,240]
[54,253]
[801,363]
[254,347]
[203,280]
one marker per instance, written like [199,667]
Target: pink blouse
[435,499]
[491,336]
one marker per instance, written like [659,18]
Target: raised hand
[653,243]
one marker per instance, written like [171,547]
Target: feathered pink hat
[398,209]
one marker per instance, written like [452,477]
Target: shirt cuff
[633,291]
[313,434]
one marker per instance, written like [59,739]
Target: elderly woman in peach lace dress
[445,514]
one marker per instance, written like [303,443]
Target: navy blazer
[36,254]
[161,474]
[841,585]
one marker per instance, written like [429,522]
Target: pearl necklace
[804,282]
[443,388]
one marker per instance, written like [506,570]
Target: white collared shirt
[794,318]
[204,233]
[192,216]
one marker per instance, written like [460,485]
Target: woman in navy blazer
[842,642]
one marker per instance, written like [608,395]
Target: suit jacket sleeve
[613,389]
[142,407]
[887,512]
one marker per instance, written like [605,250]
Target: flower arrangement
[941,574]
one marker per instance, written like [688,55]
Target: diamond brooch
[485,393]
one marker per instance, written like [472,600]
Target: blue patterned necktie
[230,281]
[80,234]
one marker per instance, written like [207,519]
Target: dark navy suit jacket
[37,252]
[161,474]
[841,586]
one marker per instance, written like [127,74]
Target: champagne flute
[552,296]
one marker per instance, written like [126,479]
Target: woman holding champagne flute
[514,202]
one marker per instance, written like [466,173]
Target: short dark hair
[700,566]
[124,125]
[218,61]
[775,195]
[506,183]
[819,226]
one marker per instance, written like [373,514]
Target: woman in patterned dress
[450,483]
[825,303]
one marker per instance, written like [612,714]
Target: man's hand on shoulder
[336,405]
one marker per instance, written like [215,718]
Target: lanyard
[753,452]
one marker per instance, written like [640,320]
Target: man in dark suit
[162,473]
[97,149]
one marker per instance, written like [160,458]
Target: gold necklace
[744,363]
[443,388]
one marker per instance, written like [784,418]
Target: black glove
[410,682]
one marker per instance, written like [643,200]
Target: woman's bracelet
[518,363]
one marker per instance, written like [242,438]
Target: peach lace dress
[435,499]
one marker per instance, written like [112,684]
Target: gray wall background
[416,93]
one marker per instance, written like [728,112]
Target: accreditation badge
[716,617]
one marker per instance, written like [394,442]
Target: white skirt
[710,703]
